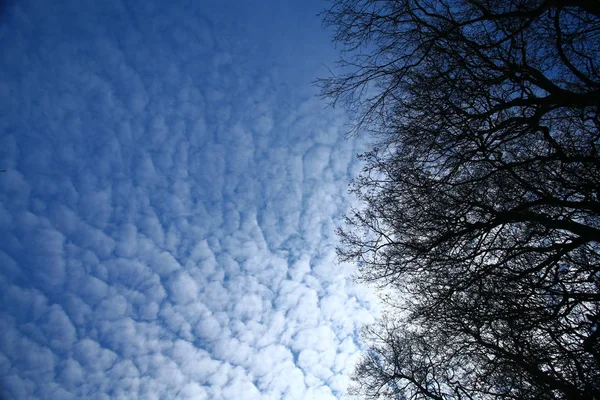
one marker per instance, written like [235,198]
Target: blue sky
[169,208]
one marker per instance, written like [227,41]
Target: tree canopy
[481,194]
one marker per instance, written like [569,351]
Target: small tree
[481,195]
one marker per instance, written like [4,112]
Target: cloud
[182,288]
[169,207]
[58,328]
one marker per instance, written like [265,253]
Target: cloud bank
[169,208]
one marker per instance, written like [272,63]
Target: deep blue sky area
[168,211]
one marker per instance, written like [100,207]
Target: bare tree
[481,194]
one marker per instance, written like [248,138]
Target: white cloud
[182,288]
[93,289]
[58,328]
[192,391]
[169,208]
[92,356]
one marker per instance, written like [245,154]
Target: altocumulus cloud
[168,212]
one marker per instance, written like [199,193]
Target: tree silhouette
[481,195]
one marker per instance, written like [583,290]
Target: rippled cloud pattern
[169,206]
